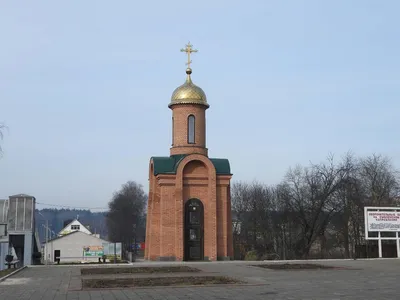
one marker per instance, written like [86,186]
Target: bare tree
[311,196]
[349,197]
[286,223]
[126,210]
[240,198]
[379,179]
[252,205]
[263,202]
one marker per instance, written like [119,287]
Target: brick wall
[168,194]
[195,178]
[180,114]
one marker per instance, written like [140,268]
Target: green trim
[169,164]
[222,166]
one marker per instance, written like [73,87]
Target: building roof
[61,236]
[169,164]
[22,196]
[71,233]
[74,220]
[189,93]
[222,166]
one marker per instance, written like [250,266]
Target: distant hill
[95,221]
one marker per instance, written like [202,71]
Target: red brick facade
[195,177]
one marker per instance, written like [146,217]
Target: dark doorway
[18,242]
[57,254]
[194,230]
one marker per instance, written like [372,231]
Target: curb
[330,260]
[12,273]
[80,265]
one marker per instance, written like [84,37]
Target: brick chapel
[189,206]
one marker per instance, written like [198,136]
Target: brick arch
[190,158]
[196,168]
[210,206]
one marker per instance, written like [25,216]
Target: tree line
[316,211]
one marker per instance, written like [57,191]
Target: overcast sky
[84,87]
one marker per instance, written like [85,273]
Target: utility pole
[47,240]
[115,253]
[134,243]
[284,241]
[47,236]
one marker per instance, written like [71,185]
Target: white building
[76,246]
[74,243]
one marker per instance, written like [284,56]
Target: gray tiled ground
[374,279]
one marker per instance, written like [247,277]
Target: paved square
[372,279]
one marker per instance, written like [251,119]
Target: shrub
[251,255]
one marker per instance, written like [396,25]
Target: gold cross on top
[188,51]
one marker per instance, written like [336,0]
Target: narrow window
[191,123]
[172,131]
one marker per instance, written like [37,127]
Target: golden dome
[188,93]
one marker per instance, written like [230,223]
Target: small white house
[76,246]
[75,225]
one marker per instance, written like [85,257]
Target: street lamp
[134,243]
[47,236]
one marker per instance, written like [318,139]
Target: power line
[68,206]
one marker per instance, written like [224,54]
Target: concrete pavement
[368,279]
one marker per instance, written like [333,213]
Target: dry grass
[156,281]
[6,272]
[136,270]
[295,266]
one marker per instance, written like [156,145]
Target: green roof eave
[169,164]
[166,164]
[222,166]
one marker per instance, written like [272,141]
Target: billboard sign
[112,250]
[383,221]
[93,251]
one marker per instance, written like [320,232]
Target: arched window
[173,127]
[191,125]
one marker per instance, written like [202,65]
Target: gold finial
[188,51]
[188,93]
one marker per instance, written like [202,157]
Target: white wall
[71,246]
[3,253]
[21,216]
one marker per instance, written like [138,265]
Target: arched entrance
[194,230]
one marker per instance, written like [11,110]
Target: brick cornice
[223,180]
[166,179]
